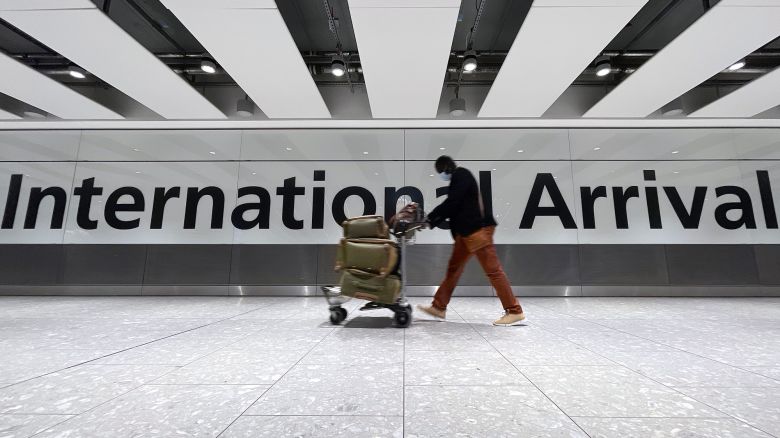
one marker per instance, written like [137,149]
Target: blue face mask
[445,176]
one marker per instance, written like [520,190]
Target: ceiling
[536,59]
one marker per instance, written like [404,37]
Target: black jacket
[461,206]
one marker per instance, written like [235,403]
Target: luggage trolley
[404,233]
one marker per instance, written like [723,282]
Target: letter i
[318,205]
[653,209]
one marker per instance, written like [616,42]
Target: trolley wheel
[338,315]
[403,317]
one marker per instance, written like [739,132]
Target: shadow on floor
[371,322]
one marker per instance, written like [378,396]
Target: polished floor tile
[22,426]
[75,390]
[255,367]
[315,427]
[483,411]
[612,391]
[163,411]
[668,427]
[332,389]
[771,372]
[460,368]
[685,369]
[275,366]
[759,407]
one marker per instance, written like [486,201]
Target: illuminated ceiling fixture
[603,66]
[208,66]
[457,107]
[77,72]
[673,109]
[337,66]
[737,65]
[34,114]
[470,61]
[245,107]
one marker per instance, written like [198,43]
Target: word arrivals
[125,206]
[689,217]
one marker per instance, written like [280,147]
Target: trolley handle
[405,227]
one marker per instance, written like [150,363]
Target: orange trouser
[490,264]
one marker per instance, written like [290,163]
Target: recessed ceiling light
[208,66]
[494,170]
[603,66]
[365,152]
[245,108]
[136,150]
[33,114]
[520,151]
[737,65]
[470,61]
[212,153]
[77,72]
[289,149]
[430,175]
[597,148]
[457,107]
[441,149]
[675,152]
[676,171]
[337,66]
[137,171]
[254,173]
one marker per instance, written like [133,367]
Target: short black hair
[445,163]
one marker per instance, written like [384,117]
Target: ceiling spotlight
[673,109]
[77,72]
[737,65]
[245,108]
[603,66]
[470,60]
[457,107]
[34,114]
[337,66]
[208,66]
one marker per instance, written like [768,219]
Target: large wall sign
[283,187]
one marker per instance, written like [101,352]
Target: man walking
[473,234]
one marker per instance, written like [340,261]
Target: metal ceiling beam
[29,86]
[751,99]
[536,72]
[258,53]
[704,49]
[84,34]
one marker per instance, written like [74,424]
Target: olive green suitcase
[367,286]
[366,227]
[377,256]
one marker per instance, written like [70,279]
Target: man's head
[445,164]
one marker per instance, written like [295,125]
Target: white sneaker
[430,310]
[509,319]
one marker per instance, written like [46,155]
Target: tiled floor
[274,367]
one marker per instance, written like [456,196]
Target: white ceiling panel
[32,5]
[89,38]
[404,47]
[556,42]
[258,52]
[27,85]
[729,31]
[751,99]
